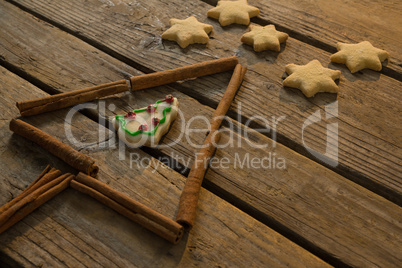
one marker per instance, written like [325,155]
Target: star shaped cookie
[263,38]
[188,31]
[360,56]
[229,12]
[311,78]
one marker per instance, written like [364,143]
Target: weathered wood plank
[28,243]
[281,196]
[74,230]
[369,147]
[324,23]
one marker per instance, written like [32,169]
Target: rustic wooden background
[309,214]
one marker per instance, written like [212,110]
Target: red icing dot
[130,115]
[143,127]
[151,108]
[155,121]
[169,98]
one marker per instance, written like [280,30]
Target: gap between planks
[88,40]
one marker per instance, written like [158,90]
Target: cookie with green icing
[146,126]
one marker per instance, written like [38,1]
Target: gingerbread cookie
[188,31]
[147,125]
[360,56]
[311,78]
[229,12]
[263,38]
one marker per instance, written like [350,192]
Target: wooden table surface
[309,213]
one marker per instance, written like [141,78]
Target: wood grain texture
[324,23]
[74,230]
[311,202]
[369,146]
[282,197]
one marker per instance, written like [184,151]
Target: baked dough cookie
[229,12]
[360,56]
[263,38]
[311,78]
[147,125]
[188,31]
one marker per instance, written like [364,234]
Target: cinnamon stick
[67,99]
[68,154]
[30,198]
[228,97]
[35,203]
[190,194]
[130,208]
[63,100]
[46,176]
[47,169]
[181,73]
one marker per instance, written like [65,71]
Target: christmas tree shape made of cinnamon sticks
[51,181]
